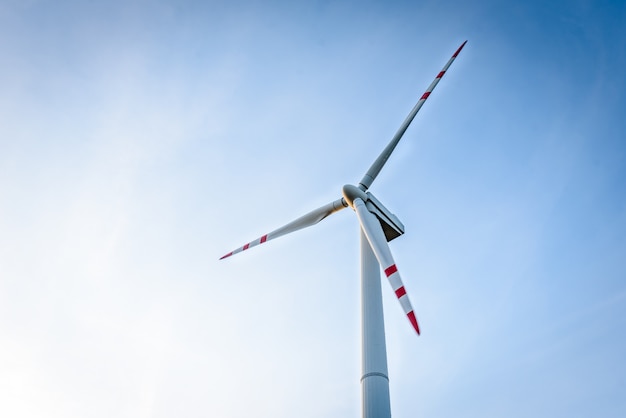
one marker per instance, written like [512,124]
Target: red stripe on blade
[245,247]
[441,74]
[400,292]
[413,320]
[227,255]
[459,50]
[390,270]
[263,239]
[425,96]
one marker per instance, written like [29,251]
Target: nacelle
[392,227]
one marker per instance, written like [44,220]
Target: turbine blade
[373,171]
[309,219]
[376,237]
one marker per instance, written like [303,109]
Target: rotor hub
[351,192]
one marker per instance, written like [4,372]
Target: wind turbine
[378,226]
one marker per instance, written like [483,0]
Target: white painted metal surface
[374,378]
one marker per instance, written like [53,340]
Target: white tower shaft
[374,381]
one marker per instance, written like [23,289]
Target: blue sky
[140,141]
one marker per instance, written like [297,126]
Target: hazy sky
[140,141]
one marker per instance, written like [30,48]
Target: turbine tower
[378,227]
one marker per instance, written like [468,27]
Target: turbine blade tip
[226,255]
[459,50]
[413,321]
